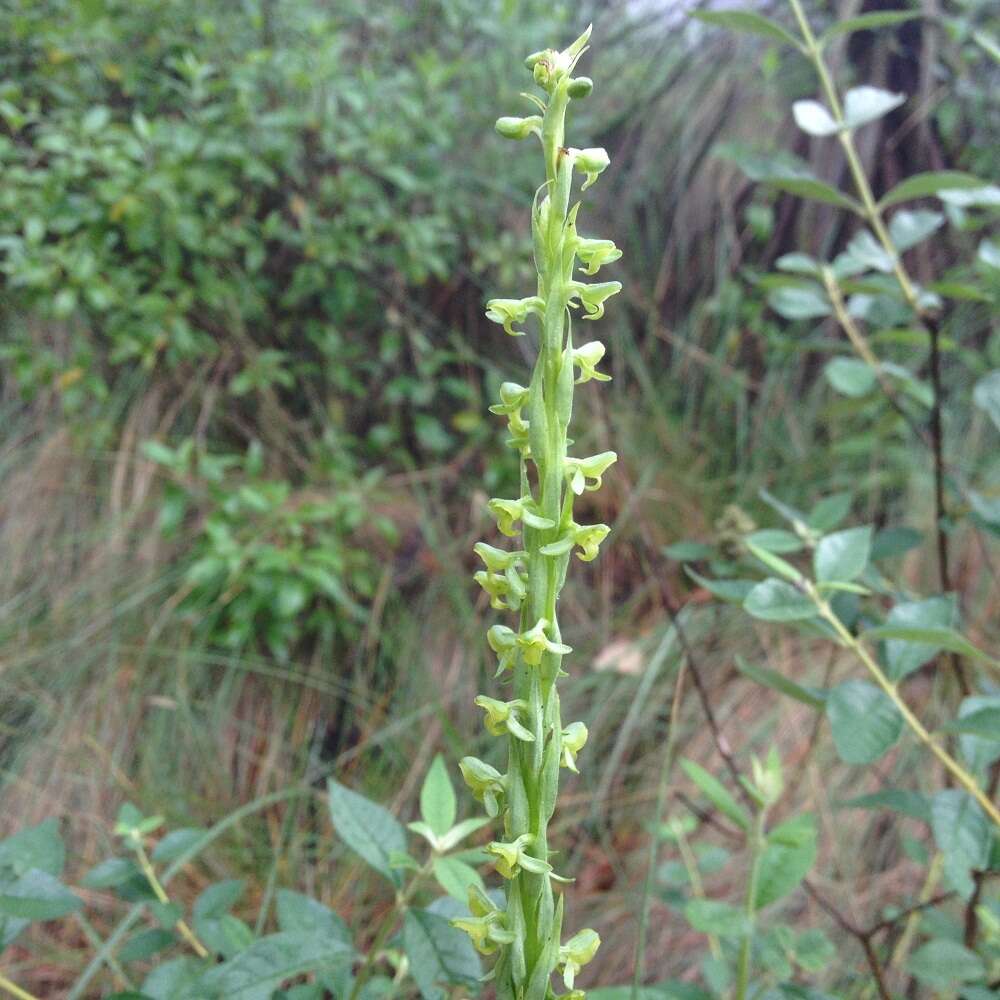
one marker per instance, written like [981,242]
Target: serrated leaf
[777,601]
[814,119]
[747,22]
[437,798]
[963,834]
[867,104]
[369,830]
[843,555]
[716,793]
[864,721]
[929,183]
[439,954]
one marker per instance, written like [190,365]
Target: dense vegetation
[245,253]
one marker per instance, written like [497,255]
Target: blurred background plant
[244,249]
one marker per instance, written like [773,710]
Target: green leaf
[174,980]
[774,563]
[688,551]
[829,512]
[145,944]
[867,104]
[929,183]
[110,873]
[902,656]
[439,954]
[731,591]
[776,540]
[712,916]
[800,302]
[38,847]
[912,804]
[989,254]
[270,961]
[978,741]
[963,834]
[814,950]
[941,638]
[303,914]
[778,601]
[813,697]
[986,396]
[942,963]
[37,895]
[850,377]
[787,859]
[985,722]
[907,228]
[843,555]
[368,829]
[814,119]
[437,798]
[815,190]
[866,22]
[716,793]
[864,721]
[748,23]
[176,843]
[456,876]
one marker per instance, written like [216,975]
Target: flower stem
[161,894]
[14,990]
[756,844]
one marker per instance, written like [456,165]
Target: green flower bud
[501,717]
[595,253]
[586,473]
[591,162]
[594,296]
[486,783]
[767,777]
[586,358]
[581,86]
[509,512]
[512,858]
[535,644]
[576,953]
[510,311]
[574,738]
[587,536]
[512,398]
[519,128]
[503,641]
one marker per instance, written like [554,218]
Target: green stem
[756,844]
[14,990]
[154,883]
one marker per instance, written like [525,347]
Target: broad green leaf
[798,263]
[813,697]
[987,196]
[716,793]
[814,950]
[814,119]
[913,804]
[297,912]
[778,601]
[867,104]
[942,963]
[929,183]
[145,944]
[864,253]
[437,798]
[789,855]
[731,591]
[368,829]
[440,955]
[748,22]
[963,834]
[688,551]
[908,228]
[941,638]
[712,916]
[890,542]
[978,724]
[866,22]
[864,721]
[110,873]
[815,190]
[37,895]
[843,555]
[174,980]
[986,396]
[269,962]
[219,898]
[829,512]
[176,843]
[38,847]
[989,254]
[776,540]
[850,376]
[456,876]
[800,302]
[903,657]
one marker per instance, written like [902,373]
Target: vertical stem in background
[757,844]
[873,215]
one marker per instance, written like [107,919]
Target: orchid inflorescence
[525,934]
